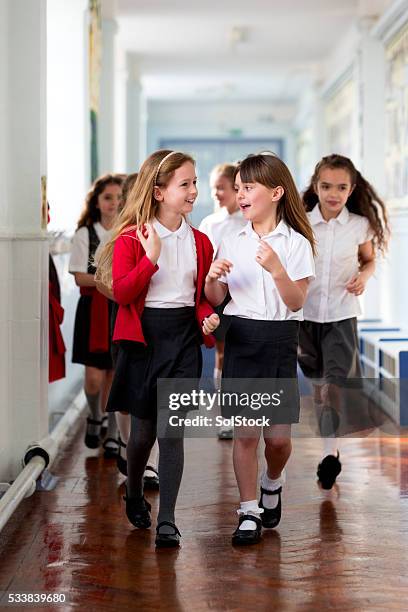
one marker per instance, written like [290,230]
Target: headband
[270,153]
[162,162]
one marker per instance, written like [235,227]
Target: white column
[107,97]
[23,242]
[371,68]
[135,117]
[371,80]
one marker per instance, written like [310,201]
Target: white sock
[112,430]
[217,378]
[330,446]
[123,422]
[249,507]
[271,501]
[152,460]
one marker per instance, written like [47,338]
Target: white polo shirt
[338,241]
[253,291]
[80,247]
[174,283]
[220,224]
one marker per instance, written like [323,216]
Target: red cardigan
[131,274]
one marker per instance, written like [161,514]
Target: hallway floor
[346,549]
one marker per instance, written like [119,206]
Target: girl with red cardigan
[158,264]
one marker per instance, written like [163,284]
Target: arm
[293,293]
[215,290]
[83,279]
[366,255]
[130,278]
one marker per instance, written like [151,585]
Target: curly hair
[363,200]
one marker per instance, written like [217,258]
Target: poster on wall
[396,160]
[340,113]
[95,61]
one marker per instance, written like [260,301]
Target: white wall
[363,55]
[67,111]
[68,158]
[190,119]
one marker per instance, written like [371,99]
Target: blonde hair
[227,170]
[141,205]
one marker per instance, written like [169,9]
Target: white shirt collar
[163,232]
[317,217]
[281,228]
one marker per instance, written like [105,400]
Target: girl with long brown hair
[91,345]
[266,268]
[350,224]
[157,264]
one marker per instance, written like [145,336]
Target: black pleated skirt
[173,351]
[80,350]
[263,356]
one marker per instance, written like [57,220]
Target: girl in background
[227,219]
[91,346]
[157,274]
[266,268]
[350,225]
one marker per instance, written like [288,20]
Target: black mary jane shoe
[271,517]
[138,511]
[328,470]
[151,483]
[167,540]
[120,461]
[92,440]
[245,537]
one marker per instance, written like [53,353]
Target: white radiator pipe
[39,456]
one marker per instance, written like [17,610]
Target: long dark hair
[90,213]
[363,200]
[268,170]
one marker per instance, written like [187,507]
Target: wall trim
[394,18]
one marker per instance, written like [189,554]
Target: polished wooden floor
[346,549]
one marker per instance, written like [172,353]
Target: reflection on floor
[346,549]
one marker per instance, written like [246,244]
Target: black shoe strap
[268,492]
[152,469]
[250,517]
[93,421]
[168,524]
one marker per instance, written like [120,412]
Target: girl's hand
[218,268]
[210,324]
[268,258]
[357,284]
[151,242]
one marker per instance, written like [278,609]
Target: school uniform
[160,315]
[56,345]
[263,336]
[91,345]
[328,342]
[216,226]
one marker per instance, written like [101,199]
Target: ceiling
[233,49]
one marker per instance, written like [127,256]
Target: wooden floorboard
[346,549]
